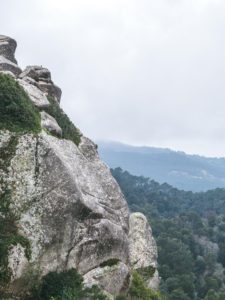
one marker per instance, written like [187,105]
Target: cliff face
[66,209]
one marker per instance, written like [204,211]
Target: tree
[179,294]
[211,295]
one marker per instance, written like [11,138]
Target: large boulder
[8,48]
[143,249]
[42,77]
[8,65]
[50,124]
[7,58]
[112,278]
[38,98]
[69,207]
[37,73]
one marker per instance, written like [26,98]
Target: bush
[69,131]
[56,284]
[138,290]
[146,272]
[17,112]
[67,285]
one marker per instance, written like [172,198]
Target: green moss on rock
[110,262]
[17,112]
[69,131]
[8,229]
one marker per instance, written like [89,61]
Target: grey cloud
[144,72]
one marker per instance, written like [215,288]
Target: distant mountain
[187,172]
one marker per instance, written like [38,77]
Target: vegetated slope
[190,232]
[188,172]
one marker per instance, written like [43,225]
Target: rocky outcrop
[50,124]
[112,278]
[8,48]
[68,210]
[142,249]
[7,65]
[7,58]
[42,78]
[38,98]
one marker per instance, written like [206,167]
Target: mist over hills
[188,172]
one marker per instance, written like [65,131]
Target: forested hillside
[190,232]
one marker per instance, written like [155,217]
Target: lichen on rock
[14,248]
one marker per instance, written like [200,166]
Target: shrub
[110,262]
[66,285]
[146,272]
[17,112]
[138,289]
[56,284]
[69,131]
[94,293]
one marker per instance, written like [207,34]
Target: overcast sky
[143,72]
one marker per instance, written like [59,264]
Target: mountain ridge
[184,171]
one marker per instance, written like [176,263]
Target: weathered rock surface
[66,203]
[7,65]
[36,95]
[113,279]
[42,77]
[49,123]
[7,58]
[8,48]
[142,247]
[37,73]
[69,207]
[17,261]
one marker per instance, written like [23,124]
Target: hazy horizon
[139,72]
[153,146]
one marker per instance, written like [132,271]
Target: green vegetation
[146,272]
[8,230]
[17,113]
[69,131]
[190,233]
[111,262]
[67,285]
[139,291]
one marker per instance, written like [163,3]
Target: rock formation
[7,58]
[41,77]
[142,249]
[68,210]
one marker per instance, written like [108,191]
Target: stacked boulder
[41,78]
[35,80]
[8,62]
